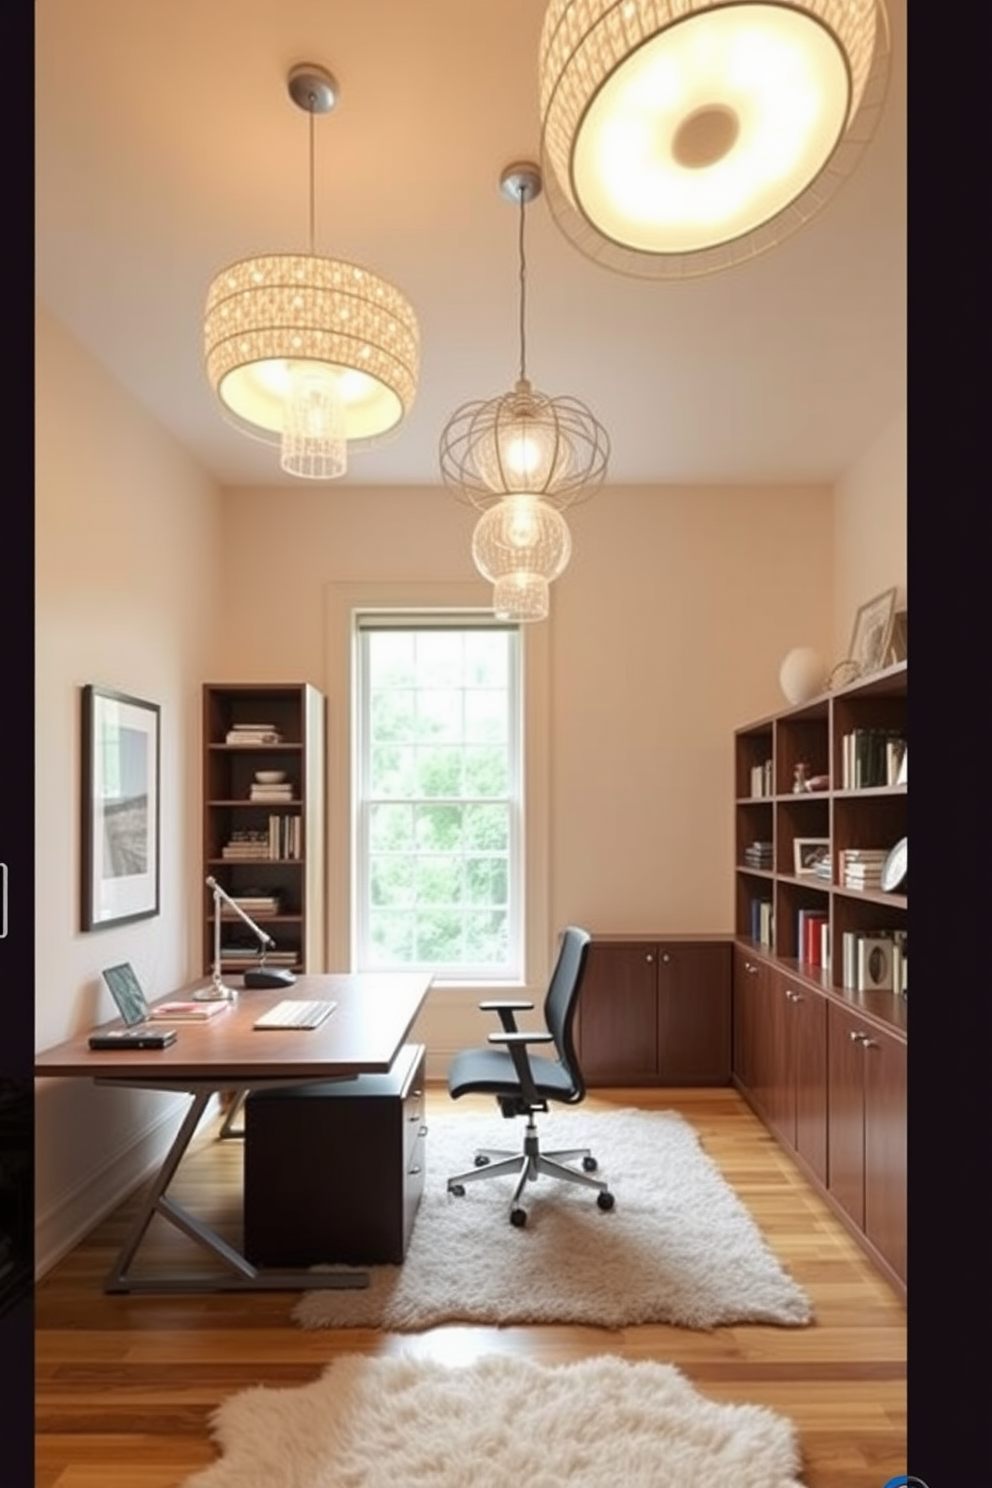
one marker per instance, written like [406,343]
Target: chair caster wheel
[605,1200]
[518,1218]
[482,1161]
[589,1164]
[458,1189]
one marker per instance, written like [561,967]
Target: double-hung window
[438,796]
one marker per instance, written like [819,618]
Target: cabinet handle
[666,958]
[868,1043]
[857,1038]
[423,1131]
[751,970]
[649,957]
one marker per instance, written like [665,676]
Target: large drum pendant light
[682,137]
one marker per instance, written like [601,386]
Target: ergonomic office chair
[524,1083]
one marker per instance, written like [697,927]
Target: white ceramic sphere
[802,675]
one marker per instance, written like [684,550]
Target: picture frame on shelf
[899,639]
[120,808]
[807,852]
[871,636]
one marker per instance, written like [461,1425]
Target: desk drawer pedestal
[334,1172]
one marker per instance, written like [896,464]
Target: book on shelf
[758,855]
[253,733]
[762,922]
[861,867]
[871,757]
[235,957]
[810,927]
[186,1012]
[761,780]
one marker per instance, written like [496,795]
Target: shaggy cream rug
[678,1247]
[411,1423]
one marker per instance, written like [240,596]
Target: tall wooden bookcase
[821,1062]
[265,849]
[843,816]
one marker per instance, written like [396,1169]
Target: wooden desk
[363,1035]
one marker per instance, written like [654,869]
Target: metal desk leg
[241,1274]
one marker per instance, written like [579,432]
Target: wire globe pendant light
[523,441]
[521,543]
[682,137]
[311,353]
[522,458]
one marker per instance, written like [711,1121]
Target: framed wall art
[120,808]
[872,633]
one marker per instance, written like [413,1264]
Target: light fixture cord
[312,109]
[523,287]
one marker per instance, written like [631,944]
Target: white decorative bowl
[270,777]
[803,674]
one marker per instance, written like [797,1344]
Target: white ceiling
[167,146]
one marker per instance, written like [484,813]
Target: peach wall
[870,529]
[126,555]
[667,631]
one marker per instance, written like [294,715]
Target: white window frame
[345,601]
[366,623]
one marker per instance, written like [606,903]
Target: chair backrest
[562,1000]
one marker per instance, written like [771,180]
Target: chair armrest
[516,1044]
[505,1008]
[515,1036]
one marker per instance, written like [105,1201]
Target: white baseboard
[76,1210]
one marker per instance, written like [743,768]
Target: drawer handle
[858,1038]
[415,1172]
[423,1131]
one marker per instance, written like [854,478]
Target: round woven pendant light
[311,353]
[682,137]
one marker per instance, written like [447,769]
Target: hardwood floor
[125,1385]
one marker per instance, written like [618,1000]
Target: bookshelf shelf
[280,852]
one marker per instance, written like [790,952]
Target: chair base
[494,1162]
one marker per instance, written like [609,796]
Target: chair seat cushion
[490,1071]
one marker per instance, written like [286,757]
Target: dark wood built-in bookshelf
[267,850]
[818,1051]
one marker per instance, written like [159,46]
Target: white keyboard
[295,1014]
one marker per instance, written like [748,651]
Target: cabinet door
[846,1106]
[693,1014]
[807,1017]
[747,980]
[779,1081]
[618,1015]
[884,1061]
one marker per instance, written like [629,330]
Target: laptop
[132,1004]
